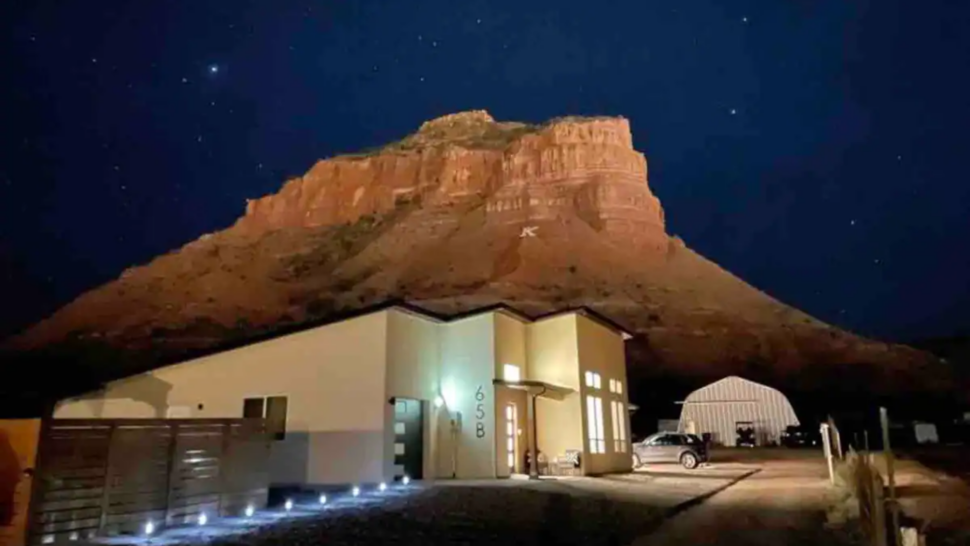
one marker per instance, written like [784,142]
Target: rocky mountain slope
[463,213]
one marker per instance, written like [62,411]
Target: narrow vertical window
[594,426]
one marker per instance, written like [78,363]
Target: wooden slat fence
[111,476]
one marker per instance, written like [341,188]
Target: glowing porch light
[406,480]
[203,519]
[382,486]
[149,528]
[288,505]
[450,394]
[355,491]
[250,511]
[323,499]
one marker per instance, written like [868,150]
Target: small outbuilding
[735,411]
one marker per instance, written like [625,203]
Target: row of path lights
[250,510]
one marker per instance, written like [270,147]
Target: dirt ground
[786,502]
[934,492]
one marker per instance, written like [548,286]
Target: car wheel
[689,460]
[636,461]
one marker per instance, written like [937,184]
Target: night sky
[817,149]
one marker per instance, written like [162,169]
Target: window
[511,372]
[594,424]
[593,380]
[616,386]
[271,408]
[619,426]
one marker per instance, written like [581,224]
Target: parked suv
[670,447]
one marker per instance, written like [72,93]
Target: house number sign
[479,413]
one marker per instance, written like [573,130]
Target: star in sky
[213,69]
[734,111]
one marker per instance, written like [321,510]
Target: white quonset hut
[397,390]
[721,407]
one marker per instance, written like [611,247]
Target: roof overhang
[536,388]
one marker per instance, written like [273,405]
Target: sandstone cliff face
[467,212]
[583,167]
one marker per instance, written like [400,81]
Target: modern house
[724,407]
[397,390]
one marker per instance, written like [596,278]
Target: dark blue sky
[817,149]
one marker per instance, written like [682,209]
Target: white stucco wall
[467,371]
[333,376]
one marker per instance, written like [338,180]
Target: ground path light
[323,499]
[405,480]
[355,491]
[203,519]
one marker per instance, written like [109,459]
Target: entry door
[512,437]
[408,438]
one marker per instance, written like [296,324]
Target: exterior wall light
[323,499]
[406,480]
[355,491]
[382,486]
[203,519]
[149,528]
[250,511]
[288,505]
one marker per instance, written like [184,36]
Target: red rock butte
[586,167]
[463,213]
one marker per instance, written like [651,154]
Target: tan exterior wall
[511,336]
[334,378]
[554,359]
[601,350]
[554,352]
[467,371]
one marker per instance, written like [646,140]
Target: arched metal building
[722,406]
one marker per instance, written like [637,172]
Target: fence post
[170,472]
[827,448]
[891,473]
[106,480]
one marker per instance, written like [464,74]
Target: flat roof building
[401,391]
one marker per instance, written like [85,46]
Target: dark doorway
[408,438]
